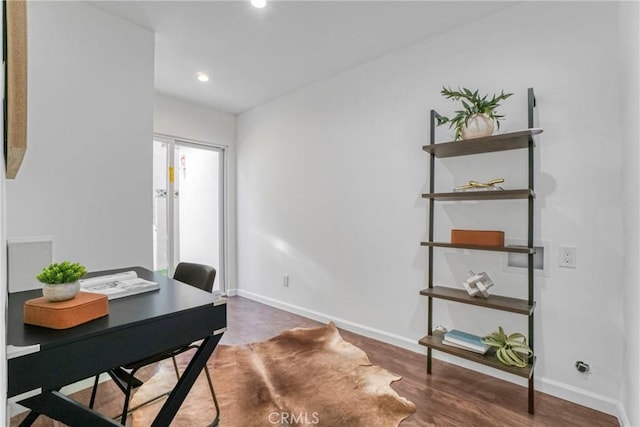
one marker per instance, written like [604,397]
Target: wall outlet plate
[567,256]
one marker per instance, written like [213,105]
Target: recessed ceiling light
[203,77]
[259,3]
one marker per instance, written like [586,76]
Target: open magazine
[118,285]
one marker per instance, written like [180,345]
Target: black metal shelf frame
[531,105]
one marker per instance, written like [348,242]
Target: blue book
[465,340]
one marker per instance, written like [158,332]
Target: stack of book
[465,341]
[118,285]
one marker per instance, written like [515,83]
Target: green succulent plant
[512,349]
[65,272]
[473,103]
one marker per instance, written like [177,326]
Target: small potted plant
[478,115]
[512,349]
[61,280]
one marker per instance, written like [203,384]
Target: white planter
[479,125]
[60,292]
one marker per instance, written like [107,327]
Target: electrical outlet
[567,256]
[285,280]
[582,367]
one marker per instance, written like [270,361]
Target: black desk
[41,360]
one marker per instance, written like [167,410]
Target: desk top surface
[173,297]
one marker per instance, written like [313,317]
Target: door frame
[223,227]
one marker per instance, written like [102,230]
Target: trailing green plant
[65,272]
[511,349]
[473,103]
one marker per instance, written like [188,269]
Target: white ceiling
[256,55]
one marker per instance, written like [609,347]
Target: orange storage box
[477,237]
[84,307]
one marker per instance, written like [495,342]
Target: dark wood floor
[451,396]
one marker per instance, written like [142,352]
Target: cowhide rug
[302,377]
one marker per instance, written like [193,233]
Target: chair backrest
[198,275]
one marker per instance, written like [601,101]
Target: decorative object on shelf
[492,238]
[512,350]
[465,341]
[478,115]
[481,186]
[440,328]
[61,280]
[477,285]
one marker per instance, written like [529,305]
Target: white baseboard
[584,397]
[623,419]
[340,323]
[545,385]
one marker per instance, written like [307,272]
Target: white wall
[629,54]
[330,177]
[189,121]
[86,177]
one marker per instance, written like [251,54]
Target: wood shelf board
[497,302]
[513,249]
[488,359]
[481,195]
[488,144]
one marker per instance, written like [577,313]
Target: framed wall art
[15,93]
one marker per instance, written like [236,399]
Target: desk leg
[188,377]
[31,417]
[60,407]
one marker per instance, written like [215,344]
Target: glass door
[189,226]
[160,201]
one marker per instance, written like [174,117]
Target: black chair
[198,275]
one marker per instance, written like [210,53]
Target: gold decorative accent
[475,185]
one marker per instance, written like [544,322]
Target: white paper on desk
[102,280]
[118,285]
